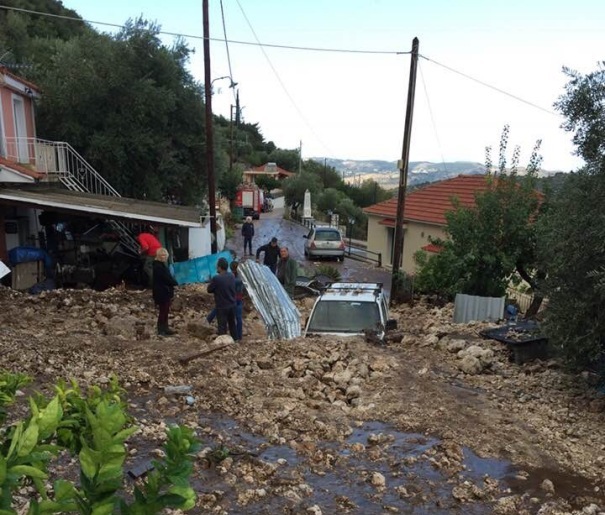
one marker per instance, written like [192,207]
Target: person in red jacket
[149,244]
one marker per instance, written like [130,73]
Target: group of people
[275,257]
[227,288]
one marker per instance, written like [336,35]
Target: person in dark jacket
[222,286]
[287,271]
[163,290]
[239,300]
[271,251]
[248,233]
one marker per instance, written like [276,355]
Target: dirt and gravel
[439,420]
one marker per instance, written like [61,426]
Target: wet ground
[376,469]
[327,425]
[290,234]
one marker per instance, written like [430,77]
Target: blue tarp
[18,255]
[198,270]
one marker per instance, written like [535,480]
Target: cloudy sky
[348,104]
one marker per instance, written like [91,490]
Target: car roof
[326,228]
[362,292]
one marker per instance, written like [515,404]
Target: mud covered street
[290,234]
[437,421]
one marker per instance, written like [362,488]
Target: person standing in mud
[149,245]
[287,271]
[163,290]
[271,251]
[248,234]
[239,300]
[222,286]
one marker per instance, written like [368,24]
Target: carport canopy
[101,206]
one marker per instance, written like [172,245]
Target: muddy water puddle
[375,469]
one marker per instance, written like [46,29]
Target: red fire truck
[251,199]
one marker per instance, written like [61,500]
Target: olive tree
[490,241]
[572,232]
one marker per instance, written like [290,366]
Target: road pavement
[290,234]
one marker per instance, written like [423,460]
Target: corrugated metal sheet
[281,317]
[472,307]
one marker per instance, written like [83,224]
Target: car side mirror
[391,324]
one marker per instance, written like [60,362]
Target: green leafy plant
[403,287]
[328,271]
[167,485]
[94,427]
[219,454]
[9,384]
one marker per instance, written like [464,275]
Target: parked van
[324,241]
[346,309]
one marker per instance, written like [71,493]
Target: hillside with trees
[129,105]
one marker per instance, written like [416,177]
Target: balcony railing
[60,162]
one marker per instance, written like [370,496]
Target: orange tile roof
[6,71]
[430,203]
[266,168]
[24,170]
[431,247]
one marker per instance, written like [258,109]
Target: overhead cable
[228,55]
[490,86]
[195,36]
[428,102]
[300,113]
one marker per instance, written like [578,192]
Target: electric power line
[228,55]
[194,36]
[519,99]
[285,47]
[300,113]
[428,102]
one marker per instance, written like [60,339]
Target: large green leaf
[28,439]
[188,495]
[88,462]
[26,470]
[48,419]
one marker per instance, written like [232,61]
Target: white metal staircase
[60,162]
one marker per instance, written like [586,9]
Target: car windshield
[327,236]
[344,316]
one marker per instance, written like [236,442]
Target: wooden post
[3,249]
[403,168]
[209,130]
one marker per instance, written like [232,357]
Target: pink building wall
[8,91]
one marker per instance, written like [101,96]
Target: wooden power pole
[403,165]
[209,130]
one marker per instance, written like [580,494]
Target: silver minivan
[324,241]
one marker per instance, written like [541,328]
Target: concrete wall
[416,236]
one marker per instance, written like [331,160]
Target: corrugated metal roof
[280,315]
[429,204]
[471,307]
[102,205]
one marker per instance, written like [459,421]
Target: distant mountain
[386,173]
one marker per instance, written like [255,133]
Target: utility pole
[325,170]
[231,121]
[209,130]
[403,165]
[300,158]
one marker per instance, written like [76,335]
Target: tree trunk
[536,302]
